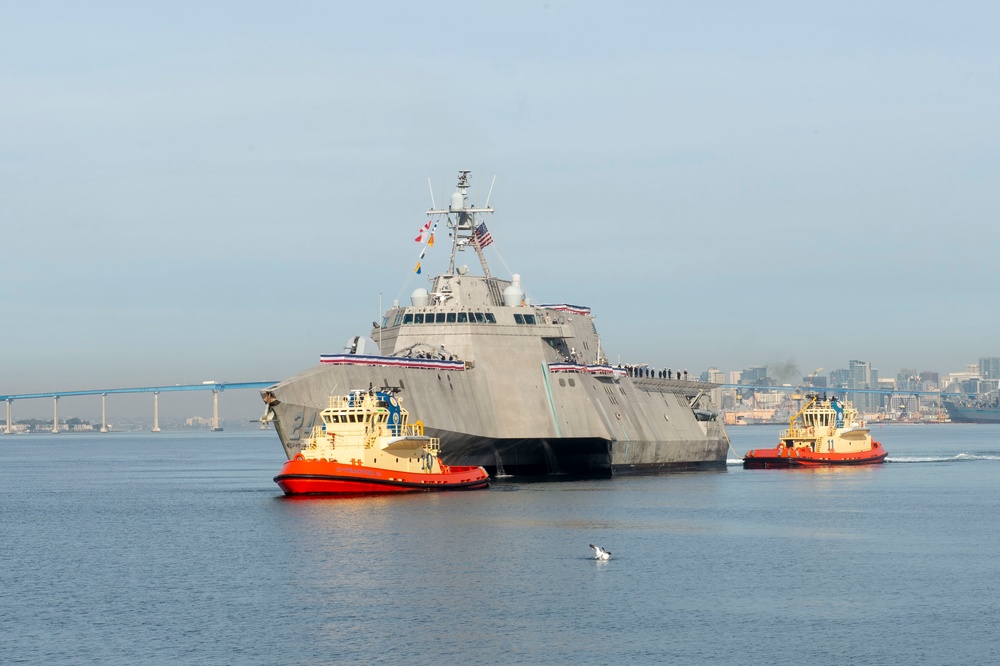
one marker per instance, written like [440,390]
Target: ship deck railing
[810,435]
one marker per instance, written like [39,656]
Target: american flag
[482,235]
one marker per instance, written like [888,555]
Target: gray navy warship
[518,388]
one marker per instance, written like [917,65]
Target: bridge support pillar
[55,414]
[156,411]
[10,404]
[104,413]
[215,411]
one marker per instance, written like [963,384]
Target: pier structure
[213,386]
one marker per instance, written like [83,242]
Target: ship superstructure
[516,387]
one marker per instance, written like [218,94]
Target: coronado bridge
[213,386]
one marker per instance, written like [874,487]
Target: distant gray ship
[518,388]
[982,408]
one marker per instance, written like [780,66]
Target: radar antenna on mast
[463,221]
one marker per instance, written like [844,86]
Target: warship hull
[545,424]
[959,414]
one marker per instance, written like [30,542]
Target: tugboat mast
[463,225]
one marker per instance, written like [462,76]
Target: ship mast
[462,220]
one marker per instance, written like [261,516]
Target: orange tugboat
[366,445]
[823,433]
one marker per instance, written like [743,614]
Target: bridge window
[529,319]
[451,318]
[518,319]
[463,317]
[408,319]
[480,319]
[398,320]
[440,317]
[418,318]
[490,319]
[385,321]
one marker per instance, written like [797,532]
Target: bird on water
[600,553]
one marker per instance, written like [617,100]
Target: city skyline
[208,191]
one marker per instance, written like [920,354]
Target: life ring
[299,456]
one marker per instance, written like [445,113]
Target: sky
[225,190]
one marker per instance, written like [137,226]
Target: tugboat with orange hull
[366,445]
[823,433]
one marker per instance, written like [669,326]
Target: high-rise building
[861,374]
[755,376]
[715,376]
[989,367]
[907,379]
[929,380]
[863,377]
[839,378]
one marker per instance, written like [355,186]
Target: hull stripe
[382,482]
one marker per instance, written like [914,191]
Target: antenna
[487,204]
[432,191]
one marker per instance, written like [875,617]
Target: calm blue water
[178,548]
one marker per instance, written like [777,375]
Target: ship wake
[961,457]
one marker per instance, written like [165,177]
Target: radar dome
[513,295]
[419,297]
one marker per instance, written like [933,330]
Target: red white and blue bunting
[391,361]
